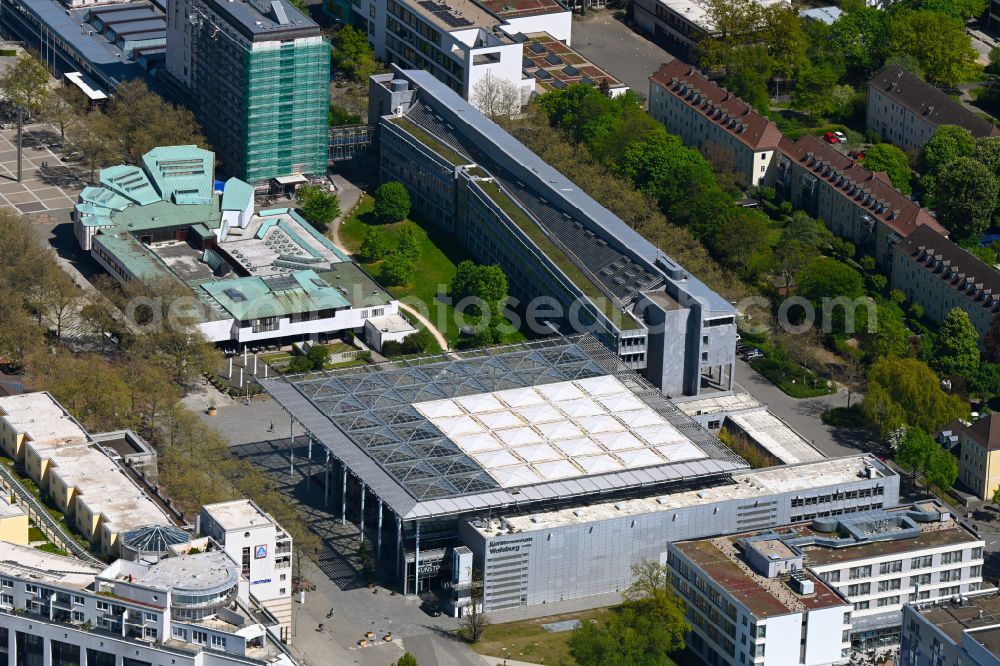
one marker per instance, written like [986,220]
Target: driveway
[616,48]
[804,414]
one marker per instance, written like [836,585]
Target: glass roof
[447,427]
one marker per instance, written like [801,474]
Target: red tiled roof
[727,111]
[952,264]
[882,201]
[986,431]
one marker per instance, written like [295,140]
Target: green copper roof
[130,182]
[134,256]
[236,195]
[101,196]
[183,174]
[249,298]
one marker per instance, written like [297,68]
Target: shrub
[392,202]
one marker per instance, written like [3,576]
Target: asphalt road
[804,414]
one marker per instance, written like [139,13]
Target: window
[950,575]
[977,553]
[200,637]
[888,601]
[7,583]
[921,562]
[953,556]
[860,572]
[103,606]
[862,605]
[77,600]
[218,642]
[976,571]
[890,567]
[78,616]
[859,588]
[922,579]
[149,617]
[7,600]
[832,576]
[887,585]
[31,589]
[179,632]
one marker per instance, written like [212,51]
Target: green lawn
[792,379]
[433,272]
[35,534]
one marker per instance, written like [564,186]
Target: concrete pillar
[378,532]
[416,561]
[46,652]
[309,468]
[291,445]
[343,493]
[230,367]
[255,364]
[362,521]
[326,481]
[83,655]
[399,548]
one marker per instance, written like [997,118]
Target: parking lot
[42,188]
[615,47]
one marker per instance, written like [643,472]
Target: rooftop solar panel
[570,70]
[527,62]
[537,48]
[557,84]
[543,74]
[553,59]
[235,295]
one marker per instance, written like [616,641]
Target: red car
[857,154]
[829,137]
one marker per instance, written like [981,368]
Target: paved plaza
[42,188]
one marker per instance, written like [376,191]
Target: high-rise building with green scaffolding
[258,75]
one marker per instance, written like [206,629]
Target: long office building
[550,463]
[556,244]
[963,631]
[257,74]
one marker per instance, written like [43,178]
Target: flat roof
[259,21]
[393,323]
[40,417]
[40,566]
[453,15]
[237,514]
[775,436]
[697,11]
[932,535]
[721,560]
[464,431]
[204,571]
[954,620]
[556,65]
[8,510]
[745,485]
[105,488]
[718,404]
[508,9]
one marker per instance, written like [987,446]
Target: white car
[841,137]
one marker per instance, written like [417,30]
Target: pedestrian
[270,428]
[320,627]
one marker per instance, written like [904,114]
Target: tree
[960,9]
[498,98]
[474,618]
[26,83]
[63,107]
[140,120]
[481,291]
[985,383]
[937,41]
[825,279]
[318,206]
[397,269]
[352,54]
[374,246]
[851,373]
[890,159]
[923,455]
[987,151]
[891,337]
[406,660]
[807,230]
[948,144]
[905,391]
[861,35]
[813,91]
[956,347]
[409,242]
[789,257]
[392,202]
[91,136]
[649,626]
[991,343]
[966,196]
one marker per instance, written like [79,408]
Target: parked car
[841,137]
[856,154]
[830,137]
[431,608]
[751,354]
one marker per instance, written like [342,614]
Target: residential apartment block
[13,523]
[977,447]
[66,463]
[181,610]
[505,205]
[257,74]
[964,631]
[941,276]
[855,203]
[905,111]
[711,119]
[680,24]
[768,597]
